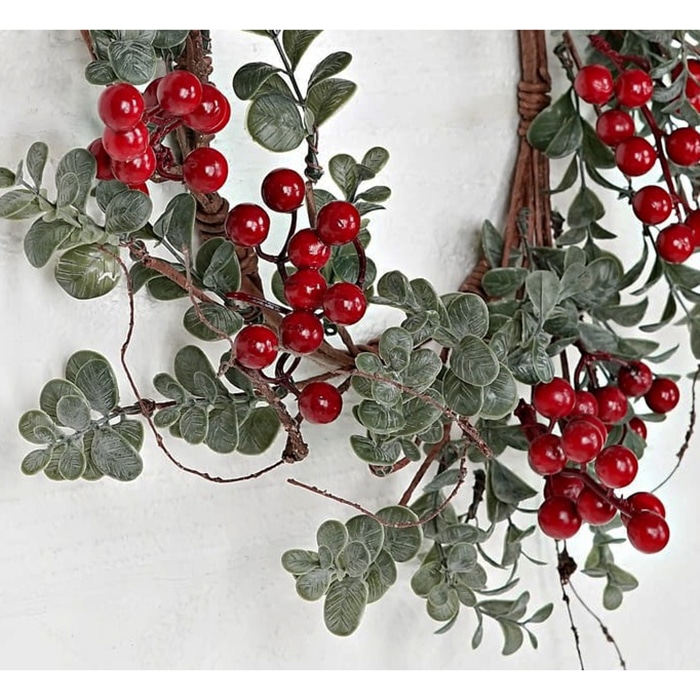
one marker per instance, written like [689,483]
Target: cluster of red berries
[131,148]
[306,289]
[635,156]
[577,491]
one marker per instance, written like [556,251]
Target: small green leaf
[19,204]
[100,73]
[585,209]
[507,486]
[543,289]
[222,434]
[474,362]
[188,362]
[367,530]
[499,397]
[114,456]
[344,605]
[176,223]
[73,411]
[194,424]
[612,596]
[375,194]
[223,272]
[7,178]
[35,461]
[133,61]
[224,319]
[258,431]
[461,397]
[375,159]
[557,129]
[331,65]
[423,368]
[296,42]
[354,558]
[43,238]
[313,585]
[36,161]
[542,614]
[379,418]
[442,603]
[401,543]
[512,636]
[326,97]
[53,392]
[468,315]
[382,455]
[250,77]
[332,534]
[88,271]
[169,38]
[343,171]
[461,557]
[128,211]
[93,375]
[395,346]
[36,427]
[299,561]
[502,281]
[274,122]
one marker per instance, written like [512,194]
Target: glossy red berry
[563,484]
[675,243]
[693,221]
[545,455]
[179,92]
[137,170]
[344,303]
[593,509]
[256,346]
[205,170]
[558,517]
[638,426]
[338,223]
[643,500]
[612,404]
[663,396]
[594,84]
[103,160]
[150,94]
[616,466]
[595,420]
[633,88]
[648,532]
[212,114]
[652,205]
[585,404]
[120,106]
[125,145]
[614,126]
[582,441]
[283,190]
[555,399]
[683,146]
[301,332]
[247,224]
[305,289]
[320,402]
[692,85]
[635,156]
[307,250]
[635,379]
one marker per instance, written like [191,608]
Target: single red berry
[585,405]
[693,221]
[633,88]
[595,420]
[555,399]
[344,303]
[675,243]
[247,224]
[212,114]
[616,466]
[305,289]
[638,426]
[692,83]
[635,379]
[663,396]
[582,441]
[338,223]
[150,94]
[104,162]
[283,190]
[594,84]
[307,250]
[125,145]
[614,126]
[612,404]
[652,205]
[179,92]
[635,156]
[593,509]
[563,484]
[255,346]
[558,517]
[683,146]
[320,402]
[301,332]
[137,170]
[205,170]
[643,500]
[545,455]
[120,106]
[648,532]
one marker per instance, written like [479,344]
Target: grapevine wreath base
[537,352]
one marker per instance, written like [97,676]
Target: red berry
[693,221]
[595,420]
[120,106]
[307,250]
[643,500]
[247,224]
[614,126]
[586,404]
[305,289]
[616,466]
[582,440]
[205,170]
[344,303]
[593,509]
[634,87]
[683,146]
[648,532]
[545,455]
[594,84]
[179,92]
[652,205]
[555,399]
[638,426]
[563,484]
[320,402]
[125,145]
[692,84]
[612,404]
[338,223]
[636,156]
[635,379]
[283,190]
[137,170]
[150,94]
[301,332]
[212,114]
[256,346]
[675,243]
[104,162]
[558,517]
[663,395]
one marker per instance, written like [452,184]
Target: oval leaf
[114,456]
[274,122]
[344,606]
[88,271]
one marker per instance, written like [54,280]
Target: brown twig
[430,458]
[565,567]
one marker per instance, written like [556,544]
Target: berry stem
[429,459]
[282,255]
[604,494]
[252,300]
[362,258]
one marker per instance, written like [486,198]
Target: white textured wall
[173,572]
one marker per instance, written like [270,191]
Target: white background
[172,572]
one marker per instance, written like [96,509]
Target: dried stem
[430,458]
[565,567]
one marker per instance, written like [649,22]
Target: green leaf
[461,557]
[628,316]
[114,456]
[313,585]
[499,397]
[296,41]
[375,159]
[401,543]
[169,38]
[131,431]
[332,534]
[194,424]
[585,209]
[375,194]
[512,636]
[133,61]
[223,273]
[250,77]
[128,211]
[81,163]
[100,73]
[543,289]
[612,596]
[189,361]
[343,171]
[222,433]
[381,575]
[423,368]
[35,461]
[557,129]
[542,614]
[394,286]
[331,65]
[167,386]
[88,271]
[105,190]
[43,238]
[461,397]
[167,417]
[176,223]
[507,486]
[492,244]
[68,190]
[258,431]
[327,97]
[73,411]
[395,346]
[93,375]
[468,315]
[224,319]
[368,451]
[36,427]
[596,338]
[344,606]
[36,161]
[569,178]
[274,122]
[367,530]
[354,558]
[19,204]
[683,275]
[596,154]
[299,561]
[474,362]
[442,603]
[606,273]
[71,462]
[379,418]
[53,392]
[502,281]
